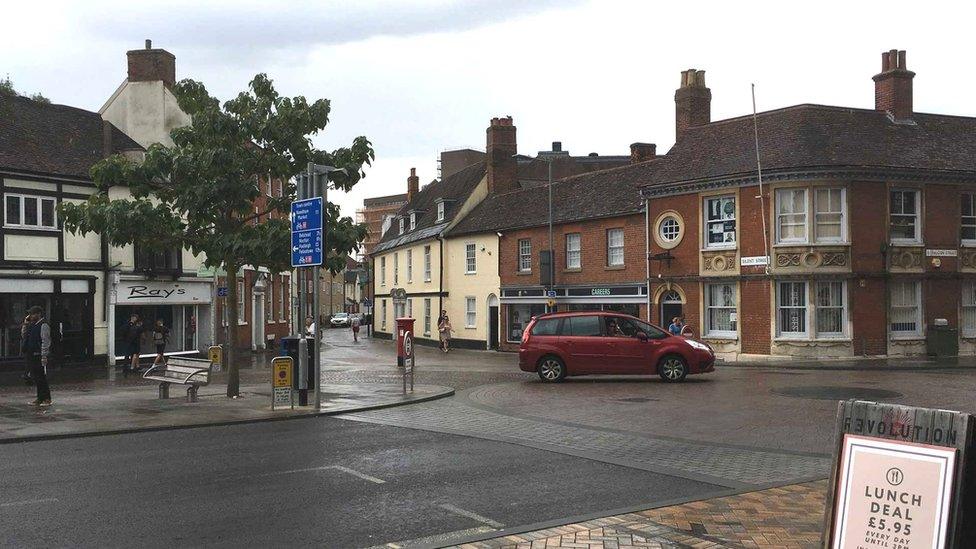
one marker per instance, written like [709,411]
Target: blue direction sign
[306,232]
[222,291]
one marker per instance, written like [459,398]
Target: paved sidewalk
[786,517]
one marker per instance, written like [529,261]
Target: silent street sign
[899,478]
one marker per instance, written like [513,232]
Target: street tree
[199,194]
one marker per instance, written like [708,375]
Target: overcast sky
[420,76]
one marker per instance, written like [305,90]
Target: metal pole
[552,252]
[316,307]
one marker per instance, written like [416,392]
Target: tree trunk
[233,374]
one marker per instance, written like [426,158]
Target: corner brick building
[861,240]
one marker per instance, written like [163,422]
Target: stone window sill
[614,267]
[576,270]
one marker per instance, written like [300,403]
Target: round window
[670,229]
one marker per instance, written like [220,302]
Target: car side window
[582,326]
[651,331]
[546,327]
[619,327]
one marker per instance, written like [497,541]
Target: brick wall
[754,316]
[868,317]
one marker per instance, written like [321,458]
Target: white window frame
[426,263]
[413,220]
[815,191]
[241,306]
[440,211]
[383,271]
[615,251]
[427,316]
[22,225]
[780,332]
[817,308]
[906,334]
[720,220]
[574,254]
[396,268]
[470,258]
[669,229]
[525,255]
[470,312]
[782,215]
[383,317]
[710,308]
[409,266]
[917,239]
[401,222]
[971,197]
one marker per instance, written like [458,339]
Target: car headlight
[698,345]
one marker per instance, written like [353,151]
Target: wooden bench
[192,372]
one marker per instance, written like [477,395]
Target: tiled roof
[606,193]
[53,139]
[810,137]
[454,189]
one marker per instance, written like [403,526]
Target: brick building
[862,236]
[373,213]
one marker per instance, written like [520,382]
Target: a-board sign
[898,479]
[281,372]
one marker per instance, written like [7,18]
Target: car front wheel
[551,370]
[672,369]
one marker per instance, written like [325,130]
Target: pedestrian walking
[36,348]
[444,329]
[355,327]
[132,337]
[676,326]
[160,336]
[310,327]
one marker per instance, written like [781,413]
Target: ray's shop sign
[156,293]
[899,479]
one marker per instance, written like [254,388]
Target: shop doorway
[492,322]
[670,307]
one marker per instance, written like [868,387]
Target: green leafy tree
[7,88]
[200,193]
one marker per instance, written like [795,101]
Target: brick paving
[787,517]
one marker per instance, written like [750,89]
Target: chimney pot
[413,185]
[148,44]
[693,102]
[501,148]
[640,152]
[149,65]
[557,146]
[893,86]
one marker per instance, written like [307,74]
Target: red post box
[404,339]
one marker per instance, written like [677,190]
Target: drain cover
[838,392]
[637,399]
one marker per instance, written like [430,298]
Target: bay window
[720,310]
[720,222]
[906,309]
[903,211]
[573,259]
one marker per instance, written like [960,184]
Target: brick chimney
[893,86]
[501,149]
[150,65]
[640,152]
[413,185]
[692,101]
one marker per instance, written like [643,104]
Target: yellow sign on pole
[216,354]
[281,369]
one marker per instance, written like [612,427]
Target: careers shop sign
[899,479]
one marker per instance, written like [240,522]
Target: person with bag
[444,329]
[160,335]
[354,323]
[132,336]
[36,348]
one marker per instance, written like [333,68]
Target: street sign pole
[316,300]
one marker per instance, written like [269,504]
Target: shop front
[520,305]
[184,307]
[68,304]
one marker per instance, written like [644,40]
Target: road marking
[29,502]
[437,540]
[346,470]
[474,516]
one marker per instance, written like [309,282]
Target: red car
[557,345]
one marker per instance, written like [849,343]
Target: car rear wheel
[551,369]
[672,369]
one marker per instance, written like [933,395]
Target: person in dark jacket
[133,340]
[160,335]
[37,347]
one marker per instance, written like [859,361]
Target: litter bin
[289,347]
[941,339]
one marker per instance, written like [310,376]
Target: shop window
[573,251]
[791,304]
[470,259]
[969,309]
[791,215]
[903,210]
[426,263]
[383,271]
[906,311]
[968,221]
[524,255]
[720,310]
[409,266]
[519,317]
[470,312]
[720,222]
[427,316]
[615,247]
[30,212]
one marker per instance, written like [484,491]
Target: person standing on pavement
[132,336]
[310,327]
[354,323]
[37,347]
[444,329]
[160,335]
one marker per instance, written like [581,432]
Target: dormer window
[440,211]
[413,220]
[401,225]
